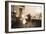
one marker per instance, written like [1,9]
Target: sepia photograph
[25,16]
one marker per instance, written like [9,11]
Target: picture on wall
[24,16]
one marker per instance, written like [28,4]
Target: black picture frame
[7,15]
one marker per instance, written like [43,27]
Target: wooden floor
[18,24]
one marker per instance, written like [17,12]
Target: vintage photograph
[24,16]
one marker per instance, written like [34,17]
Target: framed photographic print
[24,16]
